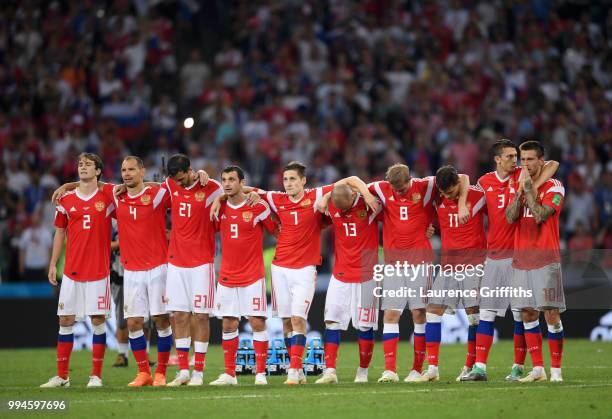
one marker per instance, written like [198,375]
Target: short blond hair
[398,175]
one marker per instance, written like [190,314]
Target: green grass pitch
[586,392]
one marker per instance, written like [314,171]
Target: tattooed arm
[512,210]
[540,212]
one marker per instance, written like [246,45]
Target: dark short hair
[137,159]
[446,177]
[299,167]
[178,163]
[498,146]
[94,158]
[236,169]
[533,145]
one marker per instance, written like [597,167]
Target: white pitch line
[328,394]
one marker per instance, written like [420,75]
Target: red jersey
[88,220]
[299,241]
[355,241]
[406,218]
[500,238]
[463,243]
[192,240]
[241,230]
[141,224]
[537,245]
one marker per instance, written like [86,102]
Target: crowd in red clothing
[346,87]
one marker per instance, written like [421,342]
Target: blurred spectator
[347,87]
[193,75]
[35,250]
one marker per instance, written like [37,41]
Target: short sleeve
[216,192]
[107,190]
[61,217]
[554,196]
[431,190]
[376,188]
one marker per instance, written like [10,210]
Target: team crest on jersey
[362,214]
[61,306]
[145,199]
[199,196]
[416,196]
[306,203]
[100,205]
[247,216]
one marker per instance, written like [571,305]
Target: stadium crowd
[346,87]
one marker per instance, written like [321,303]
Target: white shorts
[292,291]
[346,302]
[191,290]
[498,273]
[80,298]
[456,290]
[420,284]
[242,301]
[545,286]
[144,292]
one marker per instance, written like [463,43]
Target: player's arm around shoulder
[264,215]
[360,186]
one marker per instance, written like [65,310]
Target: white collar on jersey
[138,194]
[240,205]
[86,198]
[500,179]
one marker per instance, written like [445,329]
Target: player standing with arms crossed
[85,290]
[498,270]
[537,260]
[241,290]
[350,294]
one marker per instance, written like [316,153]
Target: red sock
[296,351]
[366,348]
[433,351]
[419,352]
[183,358]
[64,349]
[483,346]
[162,362]
[555,345]
[142,359]
[97,359]
[520,349]
[331,354]
[471,354]
[230,347]
[534,347]
[261,355]
[200,357]
[390,351]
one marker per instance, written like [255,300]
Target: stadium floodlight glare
[188,123]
